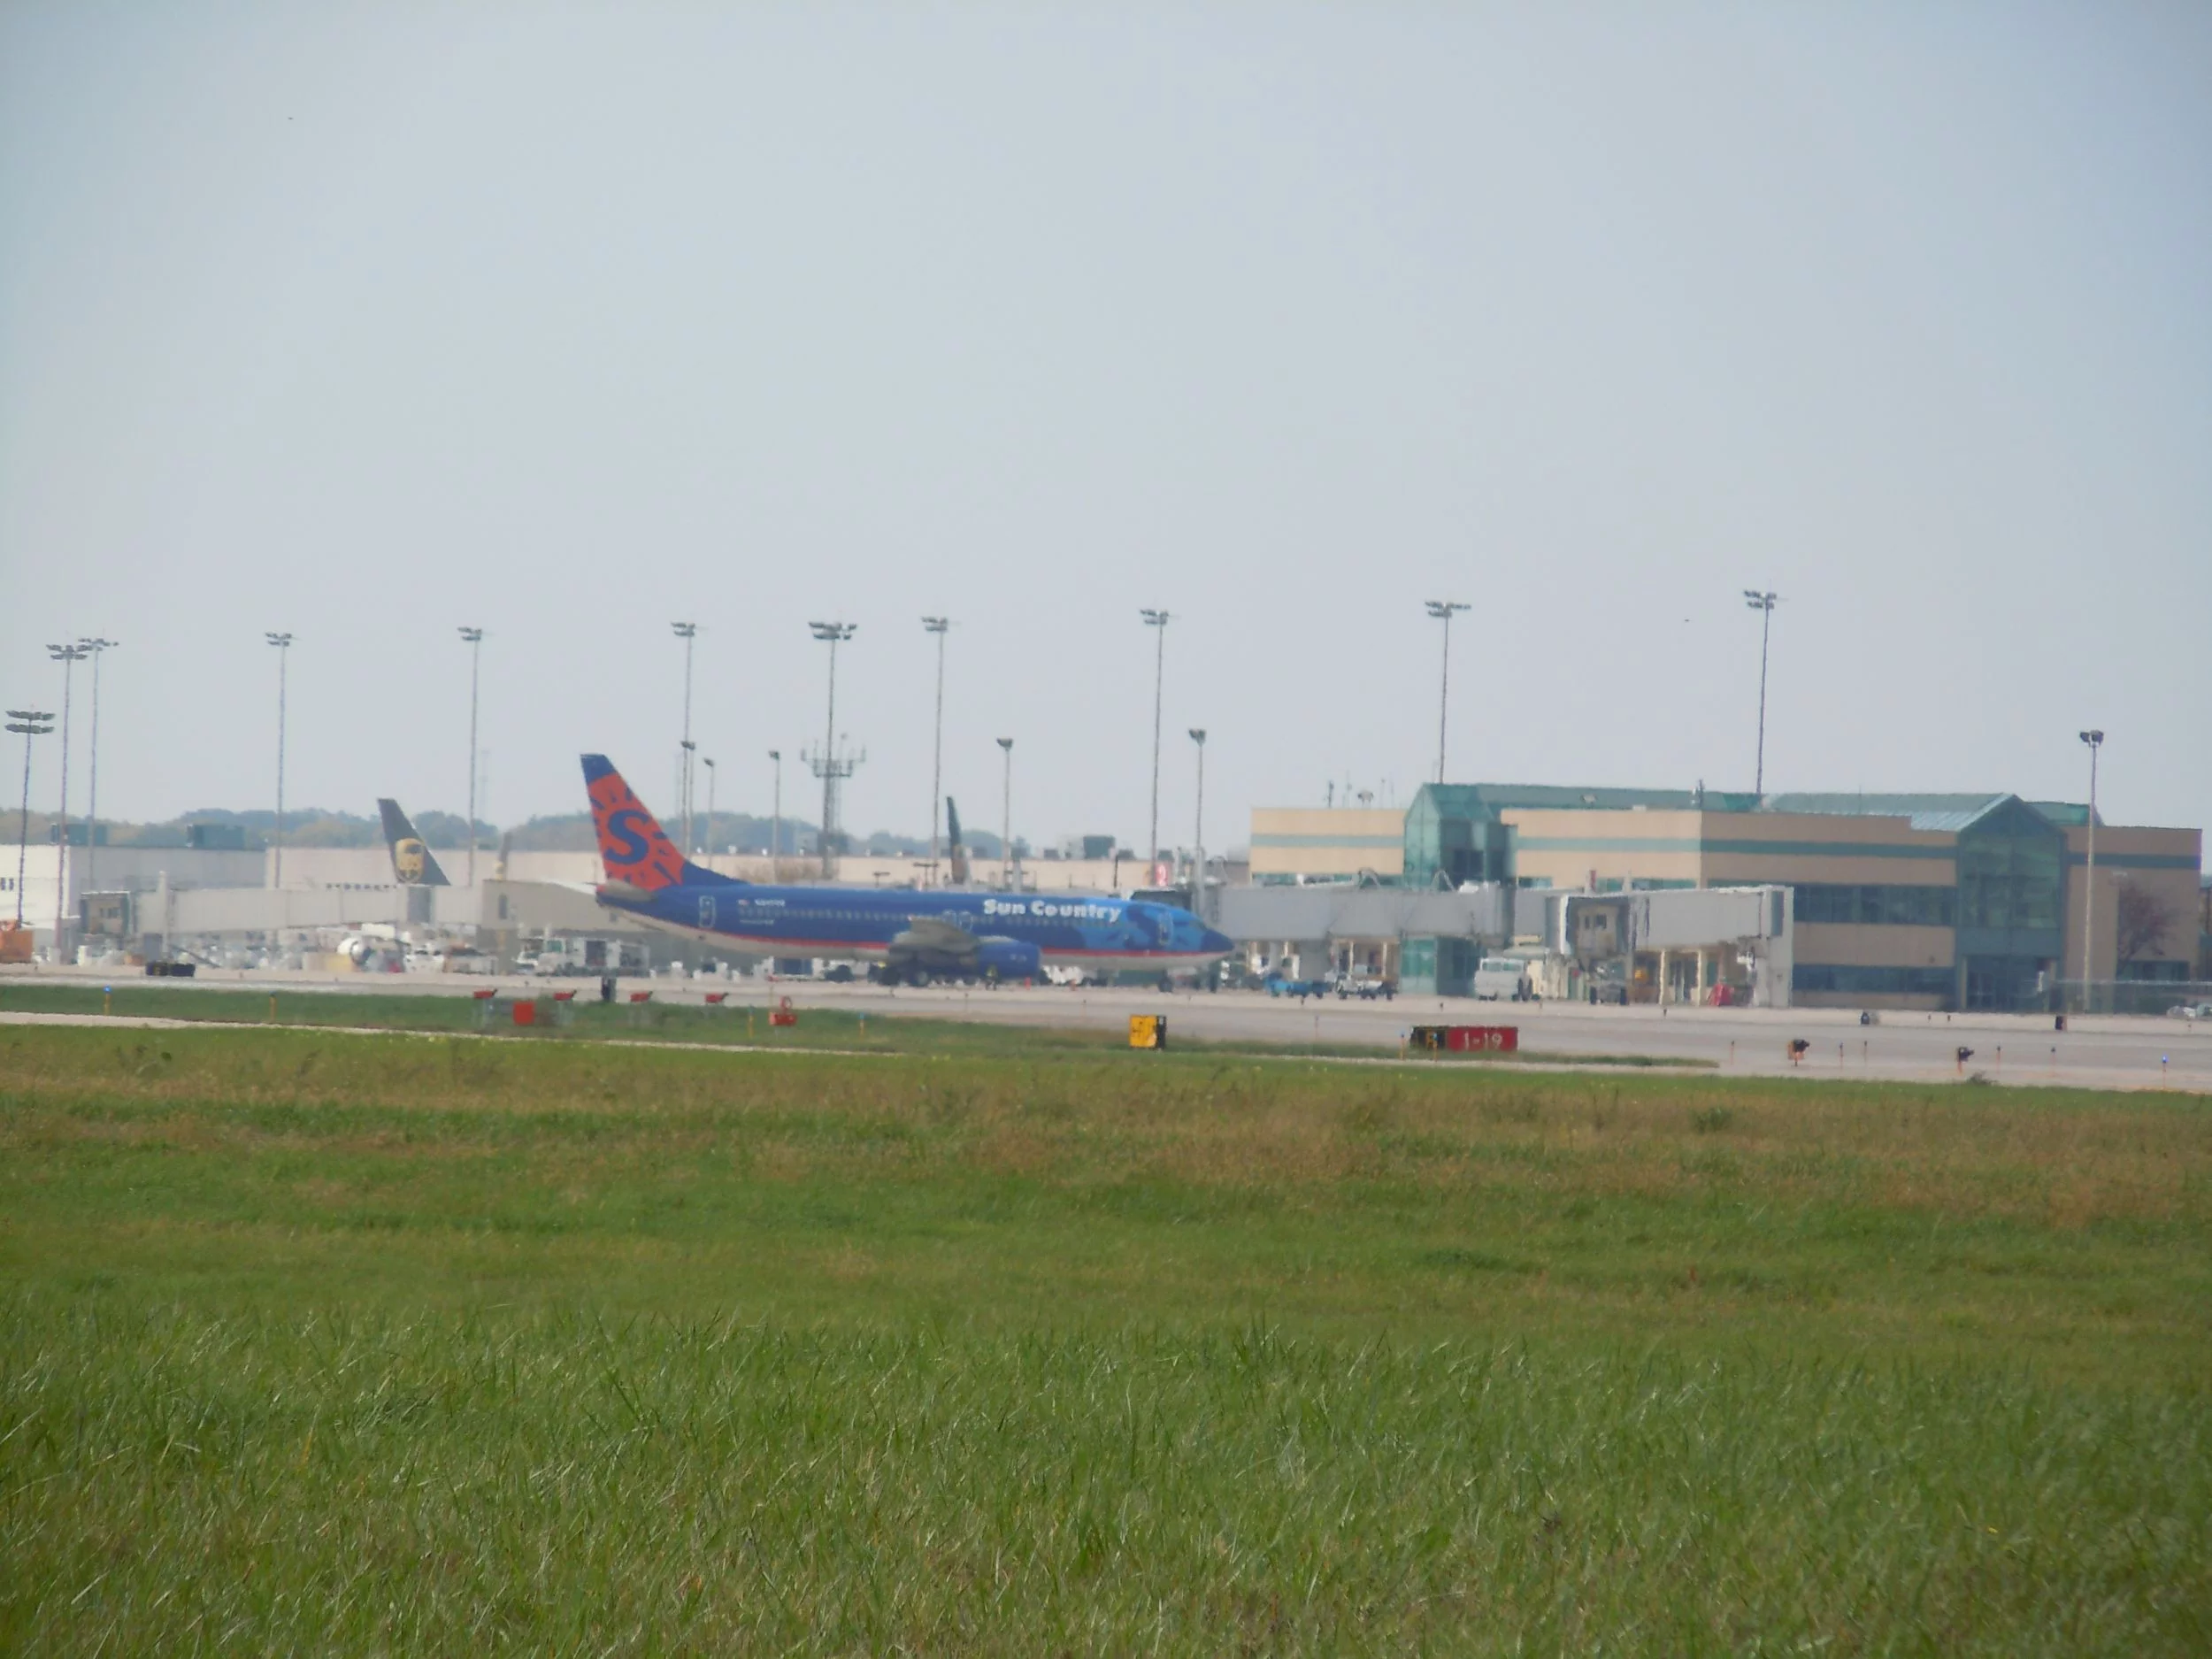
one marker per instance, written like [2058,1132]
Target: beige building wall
[1850,945]
[1810,847]
[1328,840]
[1718,849]
[1566,846]
[2174,880]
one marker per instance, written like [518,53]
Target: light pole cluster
[34,723]
[1157,621]
[28,723]
[831,761]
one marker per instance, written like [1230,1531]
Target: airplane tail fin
[411,859]
[632,844]
[956,853]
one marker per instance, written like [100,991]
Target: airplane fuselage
[860,924]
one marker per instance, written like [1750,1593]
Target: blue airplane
[914,937]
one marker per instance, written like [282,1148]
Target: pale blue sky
[367,320]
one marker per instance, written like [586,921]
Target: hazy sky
[365,321]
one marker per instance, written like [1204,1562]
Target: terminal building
[1963,901]
[1936,902]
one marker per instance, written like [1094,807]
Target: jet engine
[1008,959]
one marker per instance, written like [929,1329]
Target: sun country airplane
[916,936]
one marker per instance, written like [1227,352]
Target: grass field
[312,1340]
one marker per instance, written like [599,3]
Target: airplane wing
[936,932]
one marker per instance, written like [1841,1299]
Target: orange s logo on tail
[632,844]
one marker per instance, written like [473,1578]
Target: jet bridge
[1726,945]
[1427,942]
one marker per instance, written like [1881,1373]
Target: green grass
[310,1339]
[852,1031]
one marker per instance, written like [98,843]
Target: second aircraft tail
[412,862]
[955,854]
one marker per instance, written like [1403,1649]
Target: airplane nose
[1216,944]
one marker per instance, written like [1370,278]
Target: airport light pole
[708,761]
[1443,609]
[1006,818]
[68,656]
[30,723]
[688,631]
[473,637]
[829,765]
[775,833]
[690,749]
[2095,741]
[1198,830]
[1763,604]
[97,649]
[939,627]
[283,643]
[1157,621]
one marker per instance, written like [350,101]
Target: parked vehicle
[2191,1010]
[590,958]
[1279,984]
[1367,988]
[1503,979]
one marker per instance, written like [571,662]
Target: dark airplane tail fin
[955,852]
[411,860]
[632,844]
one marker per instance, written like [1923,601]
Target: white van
[1502,980]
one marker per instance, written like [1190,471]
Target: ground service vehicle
[1503,979]
[1366,987]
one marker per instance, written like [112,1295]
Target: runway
[2102,1052]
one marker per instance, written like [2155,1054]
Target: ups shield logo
[407,858]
